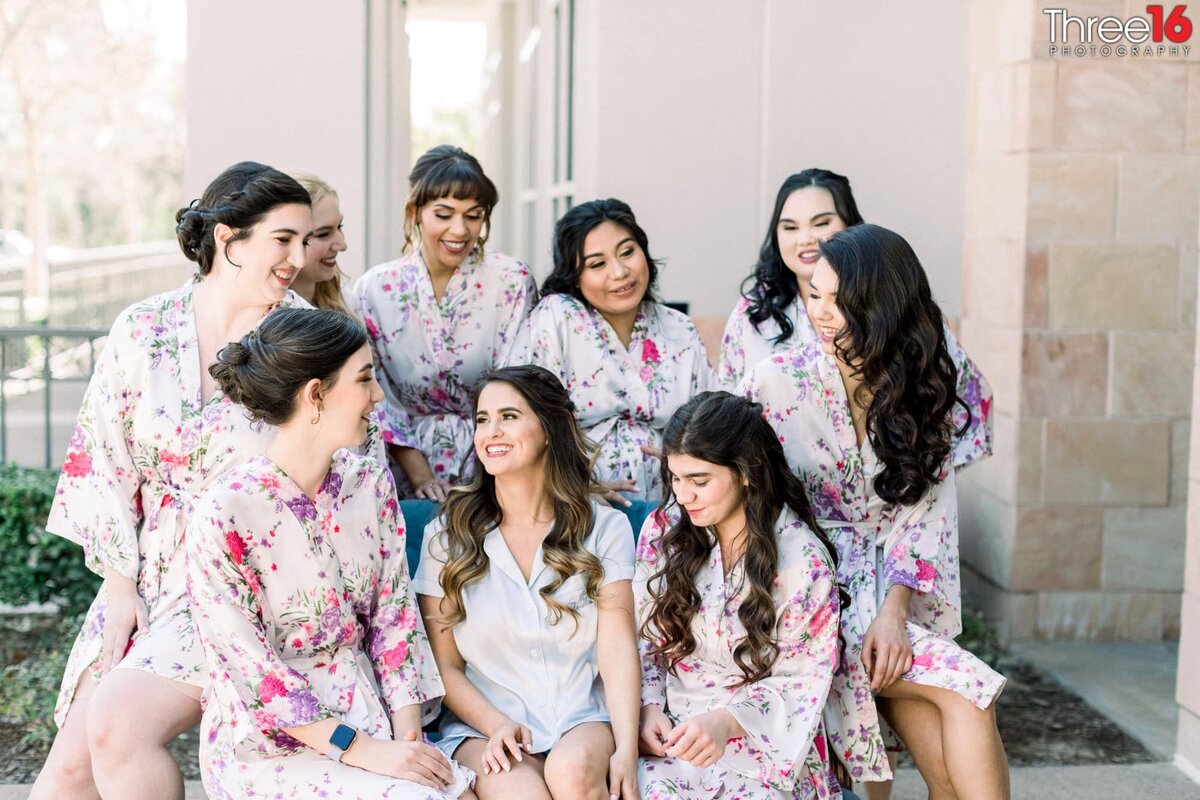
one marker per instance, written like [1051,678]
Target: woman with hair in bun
[738,603]
[154,432]
[864,416]
[440,317]
[525,589]
[296,561]
[628,360]
[769,318]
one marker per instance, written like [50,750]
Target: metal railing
[33,359]
[88,289]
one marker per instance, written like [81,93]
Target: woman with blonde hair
[525,586]
[320,282]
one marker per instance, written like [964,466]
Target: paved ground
[1131,683]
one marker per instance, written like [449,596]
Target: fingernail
[506,768]
[518,755]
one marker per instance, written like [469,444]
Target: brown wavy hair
[471,511]
[728,431]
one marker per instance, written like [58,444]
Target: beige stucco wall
[287,82]
[695,112]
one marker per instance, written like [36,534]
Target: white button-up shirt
[539,675]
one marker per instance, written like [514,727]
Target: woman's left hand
[622,775]
[701,740]
[886,648]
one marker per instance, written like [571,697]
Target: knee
[570,773]
[66,773]
[113,728]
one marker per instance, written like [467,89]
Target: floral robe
[431,354]
[744,345]
[305,612]
[623,397]
[879,545]
[783,755]
[143,449]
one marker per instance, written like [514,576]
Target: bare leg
[68,768]
[972,752]
[132,717]
[919,726]
[525,780]
[577,766]
[882,790]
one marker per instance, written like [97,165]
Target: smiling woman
[297,571]
[154,432]
[441,317]
[627,360]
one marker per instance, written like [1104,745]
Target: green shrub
[980,638]
[39,567]
[29,689]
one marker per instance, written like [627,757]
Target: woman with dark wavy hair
[864,417]
[737,597]
[627,360]
[769,318]
[525,589]
[154,432]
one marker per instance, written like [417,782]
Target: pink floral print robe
[623,396]
[744,345]
[879,545]
[431,354]
[144,448]
[305,612]
[783,755]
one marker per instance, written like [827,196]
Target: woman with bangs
[441,317]
[864,416]
[627,360]
[770,318]
[525,590]
[738,602]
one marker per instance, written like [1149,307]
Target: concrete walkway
[1131,683]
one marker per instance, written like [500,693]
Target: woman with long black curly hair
[864,417]
[738,602]
[770,317]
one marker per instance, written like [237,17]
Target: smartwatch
[343,736]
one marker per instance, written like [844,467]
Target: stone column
[1187,687]
[1079,291]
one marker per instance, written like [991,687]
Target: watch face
[343,737]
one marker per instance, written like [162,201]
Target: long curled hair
[894,339]
[771,287]
[728,431]
[239,197]
[570,233]
[447,171]
[472,510]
